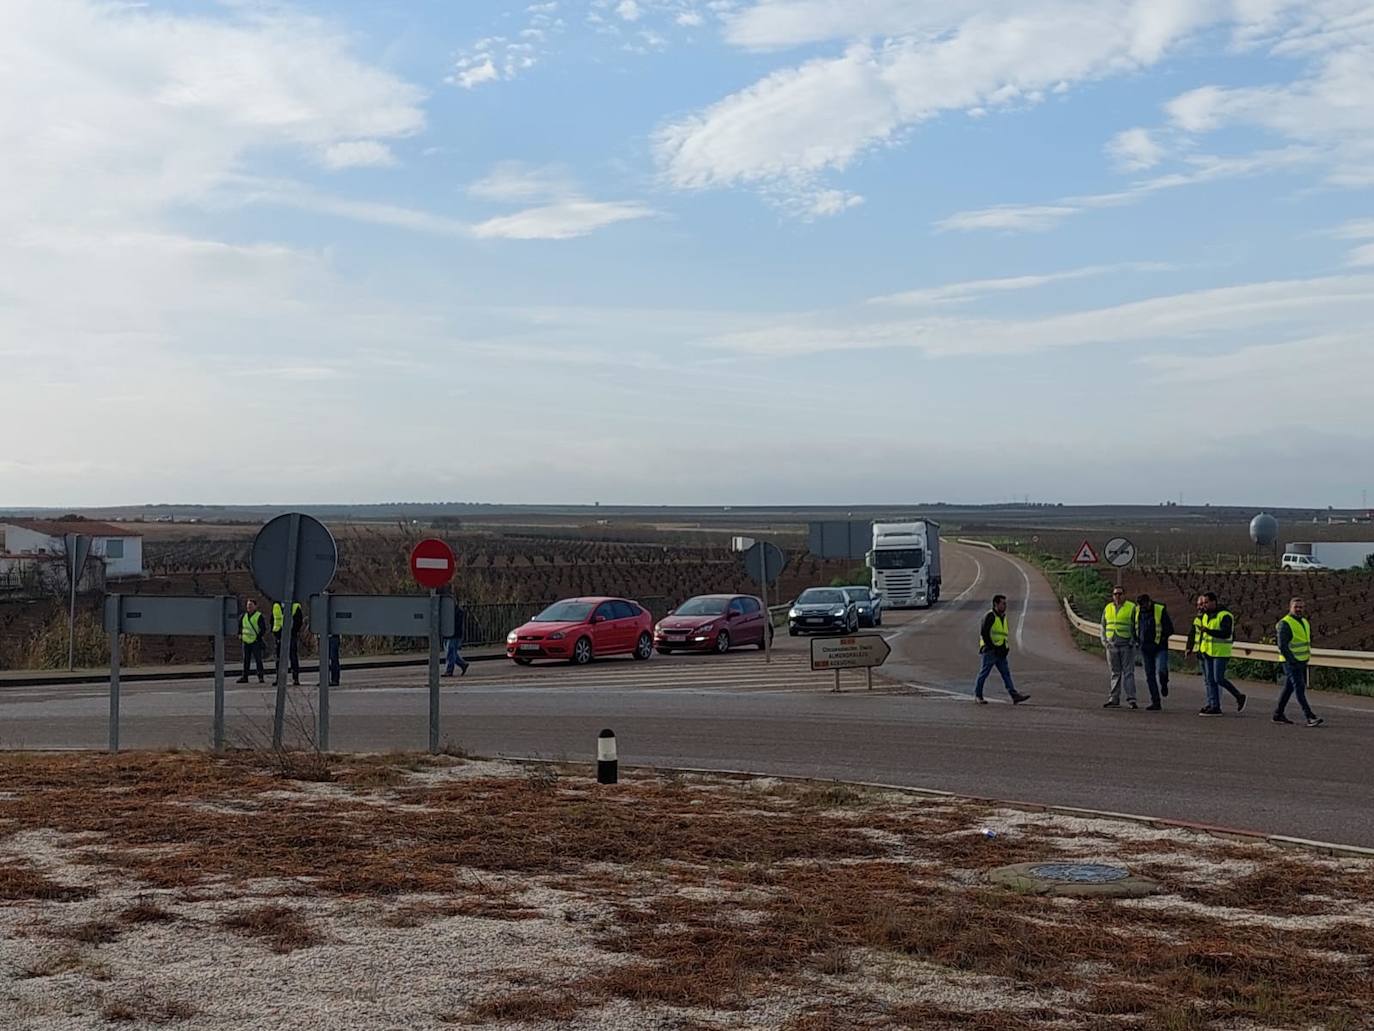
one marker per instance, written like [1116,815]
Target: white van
[1303,563]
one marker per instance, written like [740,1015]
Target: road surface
[918,728]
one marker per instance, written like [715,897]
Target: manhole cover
[1080,873]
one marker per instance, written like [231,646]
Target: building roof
[56,528]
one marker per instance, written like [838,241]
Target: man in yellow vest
[297,621]
[992,643]
[1212,637]
[251,633]
[1295,645]
[1119,639]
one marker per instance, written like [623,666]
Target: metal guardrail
[1328,657]
[975,544]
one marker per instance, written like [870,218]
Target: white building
[121,550]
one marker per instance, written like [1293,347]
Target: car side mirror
[598,619]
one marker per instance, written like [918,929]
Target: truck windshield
[899,558]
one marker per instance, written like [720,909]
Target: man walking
[1295,645]
[251,633]
[1155,627]
[992,644]
[1212,637]
[1119,639]
[297,622]
[453,657]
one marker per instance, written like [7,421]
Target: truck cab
[905,563]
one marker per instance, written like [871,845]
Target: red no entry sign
[432,563]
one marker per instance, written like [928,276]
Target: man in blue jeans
[992,643]
[451,646]
[1295,645]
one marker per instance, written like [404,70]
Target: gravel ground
[696,903]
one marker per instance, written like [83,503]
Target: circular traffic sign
[763,562]
[317,557]
[1120,551]
[432,563]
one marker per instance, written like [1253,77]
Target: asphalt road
[917,728]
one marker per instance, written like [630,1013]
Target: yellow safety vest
[1121,621]
[1213,647]
[278,619]
[248,630]
[997,633]
[1301,645]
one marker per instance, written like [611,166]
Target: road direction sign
[313,548]
[862,651]
[1120,552]
[1086,555]
[432,563]
[763,562]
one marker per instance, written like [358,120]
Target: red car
[581,629]
[713,622]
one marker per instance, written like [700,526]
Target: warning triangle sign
[1086,556]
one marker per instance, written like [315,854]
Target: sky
[686,251]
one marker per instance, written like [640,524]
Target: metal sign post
[294,556]
[169,617]
[861,651]
[78,549]
[322,606]
[432,615]
[764,563]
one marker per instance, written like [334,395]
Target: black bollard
[607,766]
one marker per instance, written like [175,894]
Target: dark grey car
[870,605]
[823,610]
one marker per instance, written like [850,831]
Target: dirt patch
[410,891]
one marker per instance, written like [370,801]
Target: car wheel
[582,651]
[722,642]
[791,632]
[764,644]
[520,660]
[644,647]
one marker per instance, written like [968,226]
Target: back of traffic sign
[763,562]
[303,538]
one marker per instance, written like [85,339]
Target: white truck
[1327,554]
[905,562]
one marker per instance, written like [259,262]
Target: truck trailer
[905,562]
[1328,554]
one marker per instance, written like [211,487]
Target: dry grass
[709,895]
[146,1008]
[283,929]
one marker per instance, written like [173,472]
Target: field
[504,577]
[418,892]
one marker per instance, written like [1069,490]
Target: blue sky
[686,251]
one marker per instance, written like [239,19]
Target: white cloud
[972,290]
[628,10]
[690,19]
[562,220]
[358,154]
[1135,150]
[803,122]
[481,69]
[1309,306]
[518,181]
[1200,169]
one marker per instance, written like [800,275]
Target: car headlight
[793,613]
[706,629]
[658,628]
[512,637]
[557,635]
[838,612]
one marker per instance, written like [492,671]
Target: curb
[1157,822]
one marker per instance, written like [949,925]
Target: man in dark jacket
[1156,627]
[992,644]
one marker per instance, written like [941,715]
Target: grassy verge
[419,892]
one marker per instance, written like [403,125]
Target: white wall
[20,541]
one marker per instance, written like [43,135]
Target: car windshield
[857,593]
[821,596]
[899,558]
[702,607]
[565,612]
